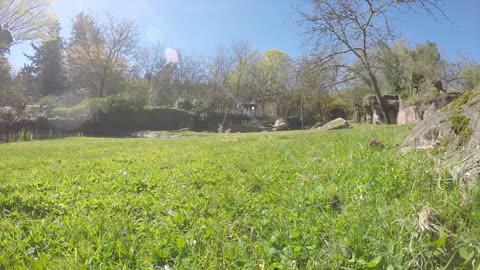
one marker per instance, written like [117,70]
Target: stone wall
[373,109]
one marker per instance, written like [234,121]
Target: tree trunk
[239,87]
[102,87]
[320,112]
[376,89]
[225,116]
[301,113]
[439,86]
[287,110]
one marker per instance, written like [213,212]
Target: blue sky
[201,25]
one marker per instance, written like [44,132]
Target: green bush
[464,99]
[460,124]
[119,114]
[471,77]
[116,104]
[338,109]
[80,111]
[10,95]
[49,101]
[93,107]
[191,104]
[77,112]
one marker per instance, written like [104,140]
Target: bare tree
[25,19]
[241,52]
[190,73]
[352,29]
[155,67]
[106,49]
[219,72]
[121,38]
[452,75]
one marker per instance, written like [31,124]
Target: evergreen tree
[29,83]
[9,90]
[47,64]
[84,30]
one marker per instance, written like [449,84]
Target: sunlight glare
[171,55]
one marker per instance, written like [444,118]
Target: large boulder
[454,131]
[338,123]
[280,124]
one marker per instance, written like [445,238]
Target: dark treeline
[103,58]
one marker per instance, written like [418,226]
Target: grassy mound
[284,200]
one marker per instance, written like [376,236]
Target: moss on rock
[460,124]
[464,99]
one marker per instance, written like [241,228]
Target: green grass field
[287,200]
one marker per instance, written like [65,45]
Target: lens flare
[171,55]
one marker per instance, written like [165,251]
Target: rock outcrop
[410,114]
[454,131]
[404,114]
[338,123]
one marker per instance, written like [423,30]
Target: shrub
[80,111]
[8,114]
[338,109]
[191,104]
[93,107]
[460,124]
[117,104]
[49,101]
[464,99]
[471,77]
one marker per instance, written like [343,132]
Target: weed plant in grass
[287,200]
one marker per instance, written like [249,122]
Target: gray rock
[280,124]
[461,147]
[410,114]
[317,125]
[338,123]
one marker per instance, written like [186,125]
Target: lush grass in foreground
[285,200]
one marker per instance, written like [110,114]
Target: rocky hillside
[454,131]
